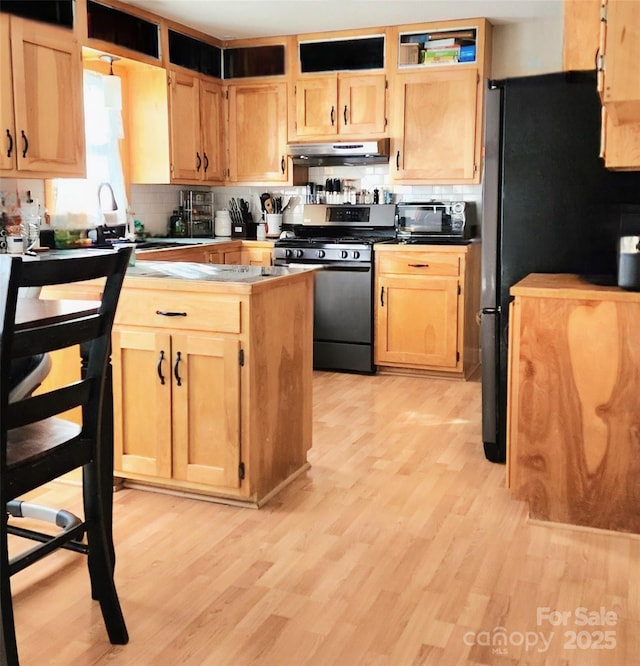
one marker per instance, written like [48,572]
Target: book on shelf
[440,43]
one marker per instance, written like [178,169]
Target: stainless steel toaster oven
[437,220]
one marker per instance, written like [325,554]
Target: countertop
[567,285]
[186,270]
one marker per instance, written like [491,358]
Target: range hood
[342,153]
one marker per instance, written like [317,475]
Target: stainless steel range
[339,239]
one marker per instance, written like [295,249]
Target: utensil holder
[274,224]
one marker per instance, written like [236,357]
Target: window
[78,198]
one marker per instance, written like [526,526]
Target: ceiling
[237,19]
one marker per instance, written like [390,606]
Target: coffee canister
[629,263]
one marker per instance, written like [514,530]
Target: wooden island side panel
[574,447]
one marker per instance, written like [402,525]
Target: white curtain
[76,200]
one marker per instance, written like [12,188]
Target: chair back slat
[50,337]
[43,406]
[54,271]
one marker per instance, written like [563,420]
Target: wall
[522,49]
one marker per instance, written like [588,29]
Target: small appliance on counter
[629,263]
[197,213]
[435,221]
[629,247]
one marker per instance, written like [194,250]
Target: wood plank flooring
[399,546]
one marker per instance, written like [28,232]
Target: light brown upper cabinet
[257,132]
[435,135]
[438,74]
[587,36]
[341,105]
[619,81]
[41,70]
[197,121]
[581,34]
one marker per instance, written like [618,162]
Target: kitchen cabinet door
[581,34]
[7,119]
[256,256]
[206,410]
[258,132]
[142,385]
[46,71]
[212,124]
[417,321]
[317,106]
[233,257]
[362,99]
[620,144]
[436,125]
[341,105]
[620,45]
[186,150]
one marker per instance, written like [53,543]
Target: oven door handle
[342,267]
[347,268]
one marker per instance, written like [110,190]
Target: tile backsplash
[154,204]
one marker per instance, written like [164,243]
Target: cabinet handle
[398,161]
[282,165]
[206,162]
[169,313]
[345,114]
[381,296]
[159,368]
[418,265]
[10,149]
[199,162]
[25,143]
[333,116]
[176,374]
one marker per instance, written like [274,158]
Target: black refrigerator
[549,206]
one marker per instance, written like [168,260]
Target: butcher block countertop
[573,449]
[565,285]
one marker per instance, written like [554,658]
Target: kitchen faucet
[113,205]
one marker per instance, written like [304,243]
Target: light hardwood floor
[399,546]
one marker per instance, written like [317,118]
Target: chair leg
[101,562]
[8,645]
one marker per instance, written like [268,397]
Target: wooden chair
[36,447]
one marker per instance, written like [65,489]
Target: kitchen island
[212,378]
[573,450]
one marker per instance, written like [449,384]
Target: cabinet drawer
[418,263]
[197,312]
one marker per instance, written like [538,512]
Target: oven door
[342,315]
[343,303]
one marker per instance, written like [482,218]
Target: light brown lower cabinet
[234,252]
[426,302]
[212,385]
[573,449]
